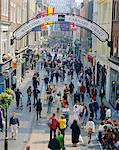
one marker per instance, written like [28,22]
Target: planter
[6,98]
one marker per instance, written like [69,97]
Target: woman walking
[62,125]
[85,115]
[75,132]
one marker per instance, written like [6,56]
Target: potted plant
[6,98]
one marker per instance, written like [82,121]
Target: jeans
[29,100]
[95,114]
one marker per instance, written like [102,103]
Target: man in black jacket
[91,108]
[76,97]
[38,106]
[18,94]
[54,144]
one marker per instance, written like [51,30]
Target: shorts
[14,128]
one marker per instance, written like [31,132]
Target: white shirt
[90,124]
[108,113]
[101,128]
[81,108]
[76,109]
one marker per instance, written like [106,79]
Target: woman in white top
[108,112]
[90,127]
[101,131]
[76,111]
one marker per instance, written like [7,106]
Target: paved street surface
[26,119]
[40,131]
[36,133]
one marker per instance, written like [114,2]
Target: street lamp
[5,73]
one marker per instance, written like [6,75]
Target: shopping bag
[81,139]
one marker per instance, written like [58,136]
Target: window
[13,12]
[5,8]
[4,41]
[105,15]
[115,10]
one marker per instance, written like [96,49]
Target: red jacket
[82,89]
[54,124]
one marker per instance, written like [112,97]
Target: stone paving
[26,119]
[40,131]
[36,133]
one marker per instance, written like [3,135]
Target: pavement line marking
[99,142]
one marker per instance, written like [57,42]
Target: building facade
[5,57]
[114,55]
[103,50]
[14,55]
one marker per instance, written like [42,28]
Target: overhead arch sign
[99,32]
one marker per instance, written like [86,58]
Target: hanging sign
[99,32]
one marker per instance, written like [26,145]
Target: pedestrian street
[40,130]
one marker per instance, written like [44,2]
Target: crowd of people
[64,68]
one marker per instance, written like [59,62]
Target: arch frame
[79,21]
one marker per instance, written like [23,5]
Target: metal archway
[79,21]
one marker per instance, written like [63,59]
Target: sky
[78,0]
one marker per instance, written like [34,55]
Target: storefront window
[114,94]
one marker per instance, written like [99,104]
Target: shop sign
[78,21]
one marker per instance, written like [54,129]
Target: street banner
[98,31]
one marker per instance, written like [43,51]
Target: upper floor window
[115,10]
[13,12]
[5,7]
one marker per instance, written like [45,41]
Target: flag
[50,12]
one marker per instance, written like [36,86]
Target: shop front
[114,87]
[6,72]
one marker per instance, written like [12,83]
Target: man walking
[38,106]
[14,124]
[102,93]
[53,125]
[82,92]
[29,93]
[18,94]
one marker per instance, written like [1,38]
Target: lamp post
[5,73]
